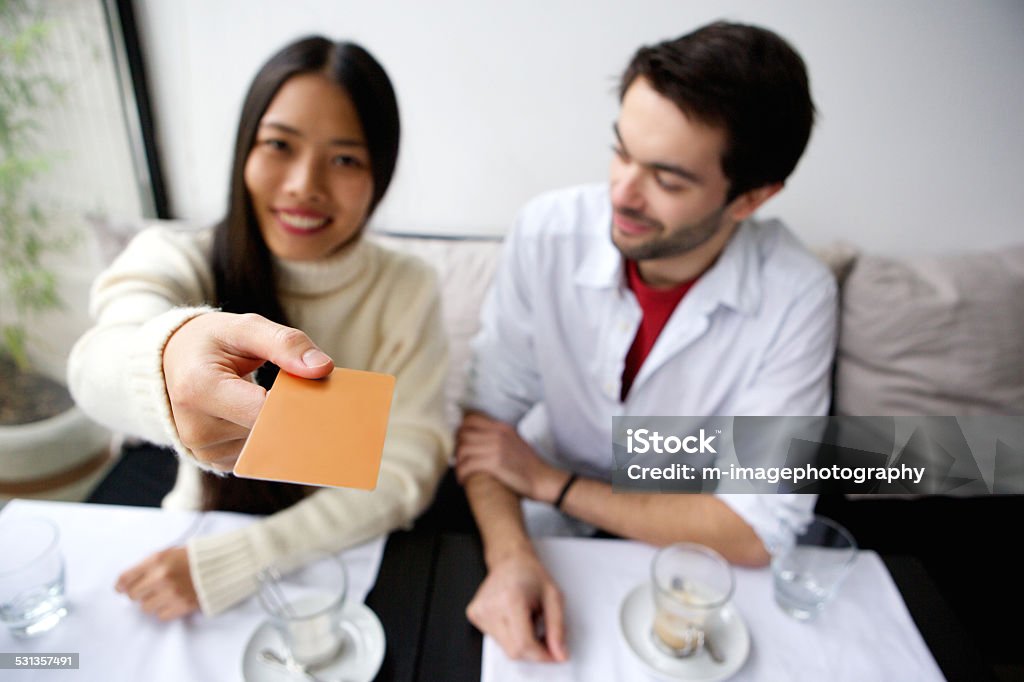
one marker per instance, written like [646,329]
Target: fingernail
[314,357]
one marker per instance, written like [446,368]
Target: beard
[668,243]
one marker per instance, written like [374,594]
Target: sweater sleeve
[412,347]
[115,370]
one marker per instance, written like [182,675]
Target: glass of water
[808,572]
[31,576]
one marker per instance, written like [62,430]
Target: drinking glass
[32,597]
[807,573]
[691,584]
[305,606]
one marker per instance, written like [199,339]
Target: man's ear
[743,206]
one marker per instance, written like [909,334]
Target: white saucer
[359,661]
[730,636]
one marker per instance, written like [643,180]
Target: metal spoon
[705,639]
[712,649]
[271,657]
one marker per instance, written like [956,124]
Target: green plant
[27,285]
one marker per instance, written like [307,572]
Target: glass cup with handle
[305,601]
[691,584]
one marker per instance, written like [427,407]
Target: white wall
[919,145]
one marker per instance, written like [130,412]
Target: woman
[315,152]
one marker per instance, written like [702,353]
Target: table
[441,645]
[426,577]
[115,640]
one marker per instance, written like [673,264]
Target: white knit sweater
[366,307]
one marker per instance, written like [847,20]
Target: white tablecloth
[114,639]
[865,633]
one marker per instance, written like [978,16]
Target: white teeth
[301,222]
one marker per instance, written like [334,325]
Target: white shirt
[754,336]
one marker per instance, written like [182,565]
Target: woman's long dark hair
[242,265]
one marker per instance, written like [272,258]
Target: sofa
[918,335]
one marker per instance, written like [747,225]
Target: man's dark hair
[744,79]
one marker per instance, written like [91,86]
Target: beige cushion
[933,336]
[465,268]
[839,257]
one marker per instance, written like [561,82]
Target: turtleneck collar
[325,275]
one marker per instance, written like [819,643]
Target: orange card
[326,432]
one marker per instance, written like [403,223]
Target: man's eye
[667,184]
[620,152]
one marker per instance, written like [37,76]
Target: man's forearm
[661,519]
[498,516]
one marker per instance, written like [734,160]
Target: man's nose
[626,186]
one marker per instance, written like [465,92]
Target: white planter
[60,458]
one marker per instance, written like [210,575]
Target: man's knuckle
[522,647]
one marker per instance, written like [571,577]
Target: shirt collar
[601,266]
[734,279]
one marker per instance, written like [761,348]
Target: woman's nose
[305,179]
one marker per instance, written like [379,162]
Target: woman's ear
[743,206]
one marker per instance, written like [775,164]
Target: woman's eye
[347,161]
[275,144]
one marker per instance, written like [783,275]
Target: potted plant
[48,448]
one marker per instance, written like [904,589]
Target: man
[653,295]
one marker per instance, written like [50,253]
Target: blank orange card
[326,432]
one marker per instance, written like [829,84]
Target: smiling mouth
[298,223]
[631,226]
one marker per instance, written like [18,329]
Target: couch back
[932,336]
[464,268]
[924,336]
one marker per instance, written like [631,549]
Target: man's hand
[205,364]
[517,593]
[162,584]
[485,445]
